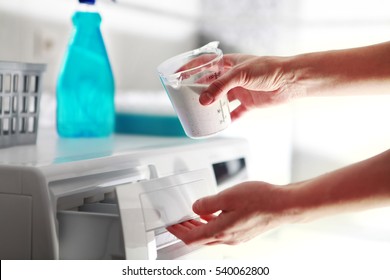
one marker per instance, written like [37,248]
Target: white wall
[138,35]
[332,132]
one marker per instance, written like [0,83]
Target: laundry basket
[20,90]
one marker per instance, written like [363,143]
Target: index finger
[220,87]
[203,233]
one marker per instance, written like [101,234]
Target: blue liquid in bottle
[85,87]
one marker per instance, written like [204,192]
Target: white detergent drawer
[92,232]
[129,220]
[147,207]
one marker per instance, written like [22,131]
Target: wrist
[299,77]
[301,202]
[307,74]
[291,206]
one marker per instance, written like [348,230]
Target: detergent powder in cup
[184,78]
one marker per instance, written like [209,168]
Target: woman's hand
[246,210]
[254,81]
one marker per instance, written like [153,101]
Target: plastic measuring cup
[184,78]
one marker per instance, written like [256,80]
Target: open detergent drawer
[93,231]
[128,220]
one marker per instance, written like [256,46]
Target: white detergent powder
[197,120]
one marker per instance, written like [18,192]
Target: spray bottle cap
[89,2]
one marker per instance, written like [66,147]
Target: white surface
[50,148]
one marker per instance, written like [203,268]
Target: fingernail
[205,98]
[195,205]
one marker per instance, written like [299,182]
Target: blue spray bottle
[85,86]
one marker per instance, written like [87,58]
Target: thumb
[206,205]
[219,87]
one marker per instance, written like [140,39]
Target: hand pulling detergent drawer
[147,208]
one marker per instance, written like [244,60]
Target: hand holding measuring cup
[184,78]
[254,81]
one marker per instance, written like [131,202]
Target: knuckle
[217,88]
